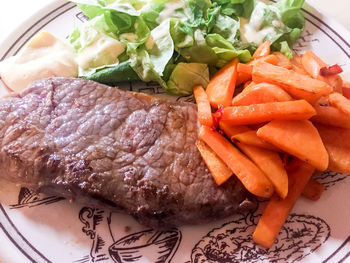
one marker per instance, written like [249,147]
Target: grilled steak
[137,152]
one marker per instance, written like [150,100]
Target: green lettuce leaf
[187,75]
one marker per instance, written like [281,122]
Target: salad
[178,43]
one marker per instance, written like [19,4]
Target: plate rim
[22,29]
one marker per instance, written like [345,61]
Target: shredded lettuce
[175,42]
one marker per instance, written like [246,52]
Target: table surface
[13,13]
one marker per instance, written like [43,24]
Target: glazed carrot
[204,110]
[250,138]
[277,210]
[346,89]
[256,113]
[340,102]
[231,130]
[262,50]
[297,85]
[313,64]
[222,86]
[245,68]
[271,59]
[337,142]
[297,66]
[216,166]
[248,83]
[330,115]
[271,164]
[283,61]
[242,77]
[246,171]
[260,93]
[298,138]
[313,190]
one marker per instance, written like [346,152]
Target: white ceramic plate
[51,229]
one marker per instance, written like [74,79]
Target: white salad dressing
[169,10]
[44,56]
[129,36]
[251,30]
[105,50]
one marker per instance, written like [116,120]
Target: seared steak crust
[74,137]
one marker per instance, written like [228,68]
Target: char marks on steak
[77,137]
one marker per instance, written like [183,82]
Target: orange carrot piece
[248,83]
[298,138]
[222,86]
[262,50]
[242,77]
[271,59]
[260,93]
[312,64]
[277,210]
[256,113]
[245,68]
[330,115]
[283,61]
[246,171]
[250,138]
[297,66]
[297,85]
[204,110]
[271,164]
[248,67]
[313,190]
[337,142]
[340,102]
[231,130]
[346,89]
[216,166]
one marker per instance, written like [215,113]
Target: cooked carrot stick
[277,210]
[262,50]
[330,115]
[256,113]
[313,190]
[242,77]
[246,171]
[270,163]
[216,166]
[283,61]
[337,142]
[340,102]
[204,110]
[271,59]
[248,67]
[298,138]
[297,85]
[297,66]
[346,89]
[260,93]
[231,130]
[222,86]
[250,138]
[248,83]
[245,68]
[313,64]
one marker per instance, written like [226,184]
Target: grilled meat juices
[76,137]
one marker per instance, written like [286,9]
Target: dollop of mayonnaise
[44,56]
